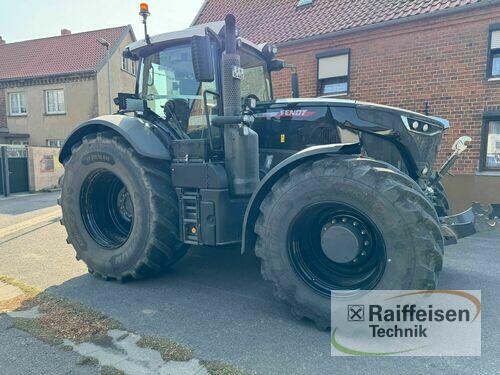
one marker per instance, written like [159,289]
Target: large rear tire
[346,223]
[119,209]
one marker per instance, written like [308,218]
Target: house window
[490,148]
[18,143]
[55,142]
[17,104]
[128,65]
[54,102]
[333,73]
[494,53]
[124,63]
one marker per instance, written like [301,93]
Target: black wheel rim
[106,208]
[335,247]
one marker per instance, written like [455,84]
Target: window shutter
[495,39]
[334,66]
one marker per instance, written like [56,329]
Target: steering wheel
[177,110]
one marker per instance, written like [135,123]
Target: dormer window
[304,2]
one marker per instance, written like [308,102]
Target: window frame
[319,82]
[16,142]
[133,67]
[492,52]
[129,66]
[488,117]
[46,100]
[20,114]
[124,63]
[60,141]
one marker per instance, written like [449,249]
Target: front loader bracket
[474,220]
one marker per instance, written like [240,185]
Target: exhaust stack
[241,144]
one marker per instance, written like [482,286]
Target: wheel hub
[339,243]
[345,240]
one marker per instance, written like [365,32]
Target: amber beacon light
[144,9]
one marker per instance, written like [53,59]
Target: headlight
[421,127]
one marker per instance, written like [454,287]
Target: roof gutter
[126,30]
[398,21]
[59,75]
[202,8]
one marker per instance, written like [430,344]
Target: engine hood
[330,102]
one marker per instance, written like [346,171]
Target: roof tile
[57,55]
[281,20]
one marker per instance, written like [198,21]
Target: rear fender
[265,185]
[139,133]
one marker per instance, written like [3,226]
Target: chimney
[65,32]
[2,41]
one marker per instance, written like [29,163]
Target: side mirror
[276,65]
[203,63]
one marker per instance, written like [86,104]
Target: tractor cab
[172,89]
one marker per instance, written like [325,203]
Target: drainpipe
[106,44]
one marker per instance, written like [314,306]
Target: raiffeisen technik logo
[419,323]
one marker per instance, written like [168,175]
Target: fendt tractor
[333,196]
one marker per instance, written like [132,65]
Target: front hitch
[458,147]
[475,220]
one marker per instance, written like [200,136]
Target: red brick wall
[439,60]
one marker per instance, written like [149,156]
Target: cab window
[171,90]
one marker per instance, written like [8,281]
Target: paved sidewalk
[20,207]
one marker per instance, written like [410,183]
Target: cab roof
[140,48]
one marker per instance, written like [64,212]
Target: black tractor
[334,196]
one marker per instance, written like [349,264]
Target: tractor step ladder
[190,217]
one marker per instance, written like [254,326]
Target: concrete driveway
[215,301]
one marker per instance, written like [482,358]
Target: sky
[32,19]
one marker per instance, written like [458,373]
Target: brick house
[48,86]
[433,56]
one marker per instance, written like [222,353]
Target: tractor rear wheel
[343,224]
[119,209]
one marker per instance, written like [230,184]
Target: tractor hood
[389,133]
[329,102]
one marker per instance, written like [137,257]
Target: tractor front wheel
[343,224]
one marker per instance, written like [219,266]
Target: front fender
[136,131]
[265,185]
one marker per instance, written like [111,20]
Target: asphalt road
[215,301]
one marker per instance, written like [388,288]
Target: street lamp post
[106,44]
